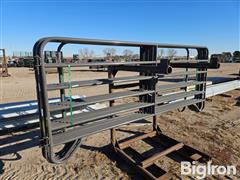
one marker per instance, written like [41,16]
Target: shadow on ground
[11,145]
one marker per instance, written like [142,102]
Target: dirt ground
[215,131]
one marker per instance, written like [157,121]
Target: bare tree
[160,53]
[109,53]
[128,54]
[85,53]
[171,53]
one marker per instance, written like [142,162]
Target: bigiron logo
[201,171]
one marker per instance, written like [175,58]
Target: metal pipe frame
[147,89]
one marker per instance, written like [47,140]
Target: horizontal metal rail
[76,84]
[178,85]
[53,65]
[171,106]
[177,96]
[96,99]
[190,61]
[122,86]
[87,117]
[88,129]
[184,73]
[68,40]
[195,65]
[143,69]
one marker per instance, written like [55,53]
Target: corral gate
[151,99]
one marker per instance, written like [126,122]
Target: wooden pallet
[147,165]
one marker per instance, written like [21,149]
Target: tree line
[127,54]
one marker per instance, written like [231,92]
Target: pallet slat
[127,143]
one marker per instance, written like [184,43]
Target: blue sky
[211,23]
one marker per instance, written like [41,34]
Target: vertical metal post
[186,80]
[186,77]
[61,80]
[61,74]
[111,103]
[202,54]
[148,53]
